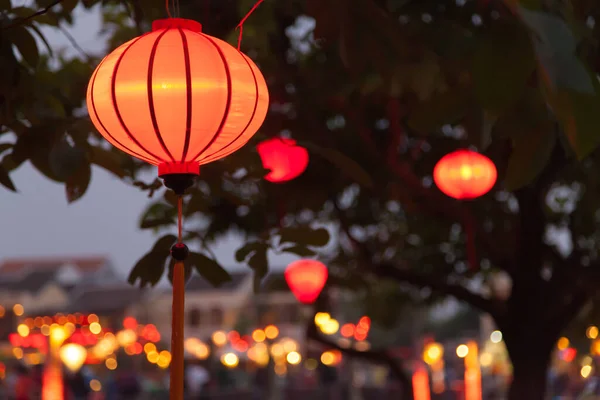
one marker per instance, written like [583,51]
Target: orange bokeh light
[306,279]
[177,98]
[284,158]
[465,174]
[347,330]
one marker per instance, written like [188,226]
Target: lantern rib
[151,95]
[228,104]
[93,104]
[116,108]
[251,116]
[188,88]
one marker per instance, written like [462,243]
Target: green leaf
[66,160]
[498,84]
[77,184]
[149,269]
[243,252]
[109,160]
[5,146]
[158,214]
[348,166]
[300,250]
[26,44]
[163,245]
[209,269]
[530,155]
[305,235]
[6,181]
[580,117]
[259,263]
[69,5]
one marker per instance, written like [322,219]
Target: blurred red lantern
[284,158]
[306,279]
[465,174]
[177,98]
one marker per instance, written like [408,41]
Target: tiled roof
[83,264]
[32,282]
[102,298]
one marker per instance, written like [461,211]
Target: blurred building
[233,306]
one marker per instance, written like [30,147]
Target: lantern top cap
[172,23]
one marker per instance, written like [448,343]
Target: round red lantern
[284,158]
[177,98]
[465,174]
[306,279]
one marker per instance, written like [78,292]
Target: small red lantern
[465,174]
[284,158]
[306,279]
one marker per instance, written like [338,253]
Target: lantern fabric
[177,98]
[284,158]
[306,279]
[465,174]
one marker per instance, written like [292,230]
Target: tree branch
[43,11]
[378,357]
[493,307]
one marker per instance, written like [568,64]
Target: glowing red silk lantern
[465,174]
[306,279]
[284,158]
[177,98]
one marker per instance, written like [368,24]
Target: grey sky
[37,221]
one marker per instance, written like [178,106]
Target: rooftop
[88,264]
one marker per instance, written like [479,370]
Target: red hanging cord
[177,315]
[240,26]
[167,7]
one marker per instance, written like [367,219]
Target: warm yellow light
[485,359]
[126,337]
[277,350]
[586,370]
[321,318]
[462,350]
[111,363]
[219,338]
[58,334]
[230,360]
[23,330]
[149,347]
[18,353]
[289,345]
[2,311]
[562,343]
[45,330]
[70,328]
[271,332]
[95,385]
[202,351]
[432,353]
[259,335]
[280,369]
[73,356]
[592,332]
[164,359]
[18,310]
[496,337]
[95,328]
[92,318]
[327,358]
[152,357]
[33,358]
[330,327]
[587,360]
[294,358]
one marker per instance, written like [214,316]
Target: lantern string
[240,26]
[167,7]
[179,218]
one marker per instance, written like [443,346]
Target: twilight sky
[38,221]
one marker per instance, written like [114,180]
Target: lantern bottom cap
[176,168]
